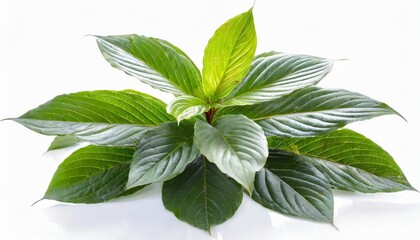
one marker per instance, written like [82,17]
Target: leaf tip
[334,226]
[33,204]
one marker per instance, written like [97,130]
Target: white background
[44,52]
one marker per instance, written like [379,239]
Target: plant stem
[210,115]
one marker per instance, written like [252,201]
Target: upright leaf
[162,153]
[185,107]
[311,111]
[153,61]
[290,186]
[202,195]
[228,55]
[103,117]
[92,174]
[273,75]
[236,145]
[349,160]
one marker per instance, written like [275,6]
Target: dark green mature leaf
[235,144]
[311,111]
[162,153]
[202,195]
[103,117]
[274,74]
[60,142]
[185,107]
[291,186]
[153,61]
[228,55]
[349,160]
[92,174]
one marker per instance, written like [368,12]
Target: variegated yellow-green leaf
[228,55]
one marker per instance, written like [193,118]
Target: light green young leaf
[185,107]
[273,75]
[153,61]
[162,153]
[228,55]
[311,111]
[293,187]
[202,195]
[102,117]
[349,160]
[236,145]
[60,142]
[92,174]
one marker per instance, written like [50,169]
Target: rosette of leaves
[245,123]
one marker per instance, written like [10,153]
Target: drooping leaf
[103,117]
[291,186]
[274,74]
[92,174]
[202,195]
[228,55]
[60,142]
[185,107]
[349,160]
[311,111]
[162,153]
[235,144]
[153,61]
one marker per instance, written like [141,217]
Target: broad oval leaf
[311,111]
[274,74]
[185,107]
[349,160]
[235,144]
[202,195]
[291,186]
[61,142]
[162,153]
[228,55]
[153,61]
[103,117]
[92,174]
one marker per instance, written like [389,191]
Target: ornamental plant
[248,123]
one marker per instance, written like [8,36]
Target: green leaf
[291,186]
[103,117]
[185,107]
[153,61]
[162,153]
[228,55]
[274,74]
[235,144]
[311,111]
[202,195]
[60,142]
[92,174]
[349,160]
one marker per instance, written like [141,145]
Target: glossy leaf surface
[202,195]
[92,174]
[293,187]
[235,144]
[103,117]
[185,107]
[349,160]
[273,75]
[162,153]
[153,61]
[311,111]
